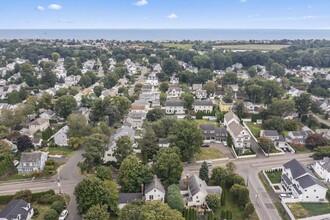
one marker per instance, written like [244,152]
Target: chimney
[142,189]
[187,178]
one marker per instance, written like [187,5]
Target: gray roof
[325,163]
[155,184]
[174,103]
[296,188]
[123,131]
[308,180]
[137,115]
[271,133]
[286,179]
[196,185]
[230,115]
[31,157]
[128,197]
[163,141]
[214,190]
[297,169]
[14,208]
[203,103]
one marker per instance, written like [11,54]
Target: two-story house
[278,139]
[152,79]
[135,119]
[203,106]
[155,190]
[174,91]
[40,124]
[175,107]
[17,209]
[301,182]
[61,137]
[201,94]
[213,133]
[299,137]
[322,168]
[32,162]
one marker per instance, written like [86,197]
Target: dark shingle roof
[31,156]
[196,185]
[307,181]
[174,103]
[128,197]
[203,103]
[286,179]
[325,163]
[155,183]
[297,168]
[271,133]
[14,208]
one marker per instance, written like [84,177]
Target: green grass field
[209,154]
[275,176]
[262,47]
[65,151]
[255,129]
[203,122]
[303,210]
[178,45]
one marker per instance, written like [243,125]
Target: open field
[178,45]
[209,154]
[303,210]
[275,176]
[203,122]
[65,151]
[262,47]
[255,129]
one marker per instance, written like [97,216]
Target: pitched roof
[31,156]
[297,168]
[196,185]
[128,197]
[271,133]
[325,163]
[39,121]
[174,103]
[235,128]
[155,184]
[14,208]
[203,103]
[230,115]
[308,180]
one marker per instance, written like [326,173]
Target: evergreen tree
[204,172]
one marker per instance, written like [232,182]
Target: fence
[288,210]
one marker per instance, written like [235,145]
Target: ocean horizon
[166,34]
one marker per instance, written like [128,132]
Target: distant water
[164,34]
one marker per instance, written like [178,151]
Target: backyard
[255,128]
[204,121]
[274,176]
[208,153]
[65,151]
[303,210]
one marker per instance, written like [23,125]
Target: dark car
[205,145]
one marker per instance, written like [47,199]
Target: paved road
[139,80]
[69,178]
[249,169]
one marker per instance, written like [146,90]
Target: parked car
[63,215]
[209,163]
[206,145]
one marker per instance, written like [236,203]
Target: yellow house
[225,107]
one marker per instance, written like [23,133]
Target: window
[314,190]
[151,197]
[306,197]
[196,197]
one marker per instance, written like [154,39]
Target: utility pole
[247,180]
[59,182]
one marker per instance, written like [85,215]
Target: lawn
[303,210]
[209,154]
[42,209]
[281,211]
[262,47]
[16,176]
[65,151]
[178,45]
[274,176]
[255,129]
[204,121]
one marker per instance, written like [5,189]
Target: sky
[151,14]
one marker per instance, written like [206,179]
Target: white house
[322,168]
[198,190]
[301,183]
[152,79]
[135,119]
[49,114]
[155,190]
[203,106]
[61,137]
[40,124]
[32,162]
[163,143]
[175,107]
[278,139]
[17,209]
[201,94]
[299,137]
[174,91]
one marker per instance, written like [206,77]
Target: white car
[63,215]
[209,163]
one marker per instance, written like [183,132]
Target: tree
[170,66]
[149,142]
[85,81]
[210,87]
[168,166]
[51,214]
[123,148]
[162,98]
[321,152]
[229,78]
[58,206]
[97,212]
[185,135]
[24,194]
[303,103]
[13,98]
[75,142]
[174,198]
[95,148]
[312,122]
[188,100]
[231,167]
[271,89]
[132,174]
[249,209]
[64,105]
[213,201]
[282,107]
[274,123]
[277,70]
[4,147]
[55,57]
[155,114]
[78,126]
[23,143]
[131,210]
[110,80]
[48,78]
[92,191]
[240,194]
[219,176]
[204,172]
[291,125]
[234,178]
[252,71]
[98,90]
[315,140]
[163,87]
[266,144]
[104,172]
[157,210]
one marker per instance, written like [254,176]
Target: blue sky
[277,14]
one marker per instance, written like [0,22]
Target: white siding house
[155,190]
[174,107]
[322,168]
[32,162]
[40,124]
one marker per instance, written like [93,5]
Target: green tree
[163,87]
[188,100]
[123,148]
[64,105]
[210,87]
[252,71]
[174,198]
[157,210]
[23,143]
[213,201]
[185,135]
[131,210]
[97,212]
[24,194]
[132,174]
[104,172]
[291,125]
[13,98]
[51,214]
[218,175]
[95,148]
[58,206]
[277,70]
[271,89]
[110,80]
[240,194]
[55,57]
[78,126]
[98,90]
[204,172]
[155,114]
[149,144]
[85,81]
[249,209]
[231,167]
[266,144]
[282,107]
[170,66]
[274,123]
[168,166]
[61,92]
[229,78]
[303,103]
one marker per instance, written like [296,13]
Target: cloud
[243,1]
[141,3]
[40,8]
[54,7]
[172,16]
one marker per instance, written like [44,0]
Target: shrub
[213,201]
[24,194]
[6,199]
[58,206]
[35,211]
[46,199]
[328,195]
[249,209]
[51,214]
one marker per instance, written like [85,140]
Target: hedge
[35,196]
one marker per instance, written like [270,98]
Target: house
[125,198]
[17,209]
[163,143]
[196,87]
[174,91]
[203,106]
[175,107]
[301,182]
[201,94]
[152,79]
[72,80]
[135,119]
[299,137]
[61,137]
[325,133]
[294,92]
[155,190]
[82,111]
[32,162]
[140,108]
[322,168]
[174,80]
[278,139]
[198,190]
[241,137]
[213,133]
[49,114]
[40,124]
[157,68]
[253,108]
